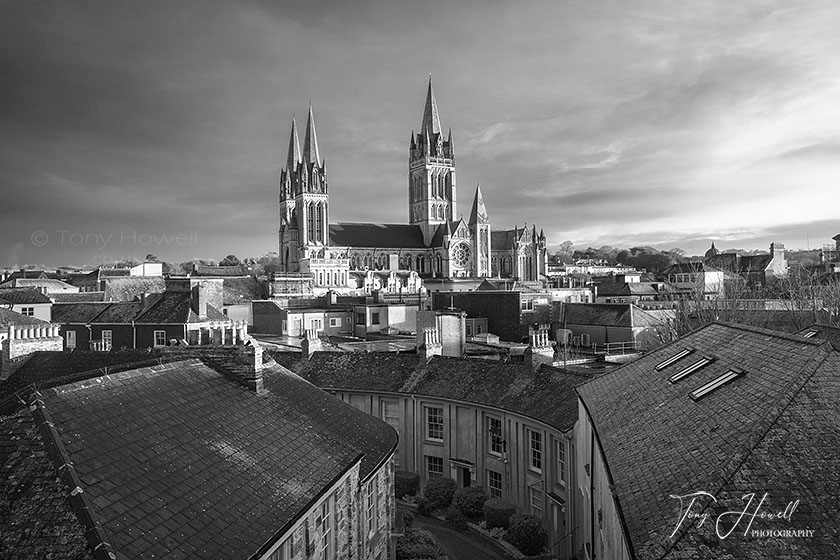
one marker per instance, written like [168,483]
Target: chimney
[540,350]
[311,344]
[431,345]
[198,300]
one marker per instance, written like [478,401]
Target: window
[561,462]
[374,318]
[494,434]
[326,530]
[335,321]
[676,357]
[535,448]
[28,311]
[730,375]
[360,318]
[494,483]
[434,467]
[391,416]
[810,334]
[71,339]
[107,339]
[434,423]
[536,500]
[284,327]
[284,552]
[371,504]
[686,371]
[160,338]
[316,325]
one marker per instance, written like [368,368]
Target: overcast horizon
[162,127]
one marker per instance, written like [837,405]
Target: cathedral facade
[434,243]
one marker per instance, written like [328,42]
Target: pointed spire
[294,149]
[478,215]
[310,141]
[411,143]
[431,120]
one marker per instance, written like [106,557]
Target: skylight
[701,392]
[810,334]
[686,371]
[674,358]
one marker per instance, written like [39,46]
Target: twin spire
[311,154]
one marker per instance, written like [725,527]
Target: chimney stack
[431,345]
[540,350]
[311,344]
[198,300]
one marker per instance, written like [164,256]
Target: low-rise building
[27,301]
[696,449]
[179,460]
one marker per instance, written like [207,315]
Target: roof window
[730,375]
[810,334]
[679,355]
[686,371]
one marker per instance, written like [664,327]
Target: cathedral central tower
[431,172]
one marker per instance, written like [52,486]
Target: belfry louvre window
[730,375]
[686,371]
[673,359]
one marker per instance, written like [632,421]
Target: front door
[71,339]
[466,477]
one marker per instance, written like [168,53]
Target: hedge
[526,533]
[471,501]
[498,512]
[406,483]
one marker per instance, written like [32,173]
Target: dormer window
[685,372]
[730,375]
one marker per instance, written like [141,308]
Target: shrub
[471,501]
[439,492]
[406,483]
[423,507]
[497,512]
[415,544]
[497,533]
[526,533]
[455,517]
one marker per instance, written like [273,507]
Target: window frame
[429,424]
[535,453]
[434,474]
[155,338]
[491,489]
[560,461]
[492,444]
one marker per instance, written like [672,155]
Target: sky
[129,128]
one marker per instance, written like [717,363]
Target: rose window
[461,255]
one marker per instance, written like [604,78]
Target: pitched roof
[36,520]
[442,231]
[657,441]
[503,239]
[27,274]
[77,297]
[166,478]
[9,317]
[77,313]
[130,287]
[388,236]
[608,314]
[175,308]
[734,262]
[224,271]
[823,332]
[238,291]
[796,462]
[21,296]
[51,284]
[50,369]
[547,396]
[119,312]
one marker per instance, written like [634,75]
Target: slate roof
[26,274]
[9,317]
[49,369]
[228,271]
[131,287]
[77,313]
[608,315]
[547,396]
[627,289]
[397,236]
[51,284]
[440,232]
[824,332]
[22,296]
[174,308]
[77,297]
[240,291]
[178,461]
[658,442]
[502,240]
[36,520]
[119,312]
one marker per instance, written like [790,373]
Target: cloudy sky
[129,128]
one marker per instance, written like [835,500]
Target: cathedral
[434,243]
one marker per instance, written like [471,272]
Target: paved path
[460,545]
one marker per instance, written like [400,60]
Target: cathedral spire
[431,120]
[294,149]
[310,141]
[478,215]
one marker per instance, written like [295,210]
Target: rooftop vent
[674,358]
[730,375]
[686,371]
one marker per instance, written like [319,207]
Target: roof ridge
[792,337]
[95,535]
[764,425]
